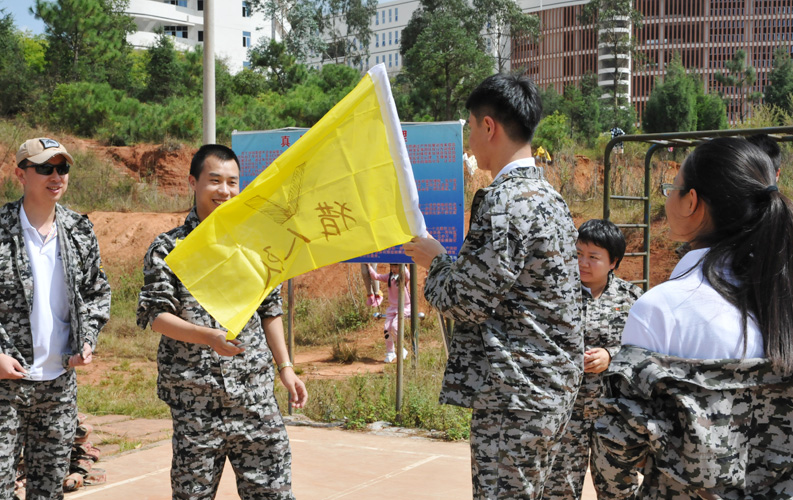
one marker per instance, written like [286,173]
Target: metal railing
[658,141]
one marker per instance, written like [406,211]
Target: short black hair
[222,153]
[770,146]
[513,101]
[604,234]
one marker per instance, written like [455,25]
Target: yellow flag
[343,190]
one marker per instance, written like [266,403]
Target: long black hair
[750,236]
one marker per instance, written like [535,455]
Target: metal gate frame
[658,141]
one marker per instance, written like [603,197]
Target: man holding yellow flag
[220,391]
[517,354]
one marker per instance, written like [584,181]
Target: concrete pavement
[328,464]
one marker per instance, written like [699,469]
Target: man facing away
[517,352]
[54,300]
[220,392]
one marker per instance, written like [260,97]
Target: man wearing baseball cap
[54,299]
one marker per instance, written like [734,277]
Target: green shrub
[81,107]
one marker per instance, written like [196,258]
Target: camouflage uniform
[603,321]
[42,415]
[222,406]
[707,429]
[517,353]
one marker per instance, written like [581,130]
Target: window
[200,35]
[246,38]
[376,19]
[200,5]
[178,3]
[396,14]
[246,9]
[389,60]
[389,38]
[376,40]
[377,59]
[396,59]
[246,64]
[396,37]
[177,31]
[389,15]
[383,16]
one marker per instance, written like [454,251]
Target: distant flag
[345,189]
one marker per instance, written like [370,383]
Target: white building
[237,28]
[387,25]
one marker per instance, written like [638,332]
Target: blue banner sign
[436,153]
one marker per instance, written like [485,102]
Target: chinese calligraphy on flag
[345,189]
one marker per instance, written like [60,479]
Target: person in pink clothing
[391,279]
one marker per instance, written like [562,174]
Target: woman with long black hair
[701,395]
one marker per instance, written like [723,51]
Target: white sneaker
[390,357]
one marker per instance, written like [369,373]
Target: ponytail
[750,236]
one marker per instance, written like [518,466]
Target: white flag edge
[398,150]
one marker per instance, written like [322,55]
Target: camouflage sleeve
[613,350]
[272,305]
[629,296]
[158,294]
[470,288]
[95,291]
[621,445]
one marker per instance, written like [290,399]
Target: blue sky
[22,19]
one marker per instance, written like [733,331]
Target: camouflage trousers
[254,440]
[512,452]
[42,419]
[569,469]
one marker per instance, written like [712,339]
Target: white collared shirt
[521,163]
[49,317]
[686,317]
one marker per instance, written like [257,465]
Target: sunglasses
[48,168]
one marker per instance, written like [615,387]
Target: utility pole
[209,72]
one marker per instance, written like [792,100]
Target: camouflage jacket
[194,376]
[514,294]
[603,319]
[720,429]
[86,283]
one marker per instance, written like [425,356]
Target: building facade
[237,27]
[705,33]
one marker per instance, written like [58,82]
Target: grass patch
[125,389]
[121,338]
[363,399]
[321,321]
[95,184]
[344,352]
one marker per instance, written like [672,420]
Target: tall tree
[615,20]
[742,77]
[281,68]
[445,61]
[503,21]
[551,100]
[299,23]
[582,105]
[711,111]
[16,79]
[345,23]
[348,25]
[780,81]
[672,106]
[87,39]
[163,68]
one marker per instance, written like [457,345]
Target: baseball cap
[40,150]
